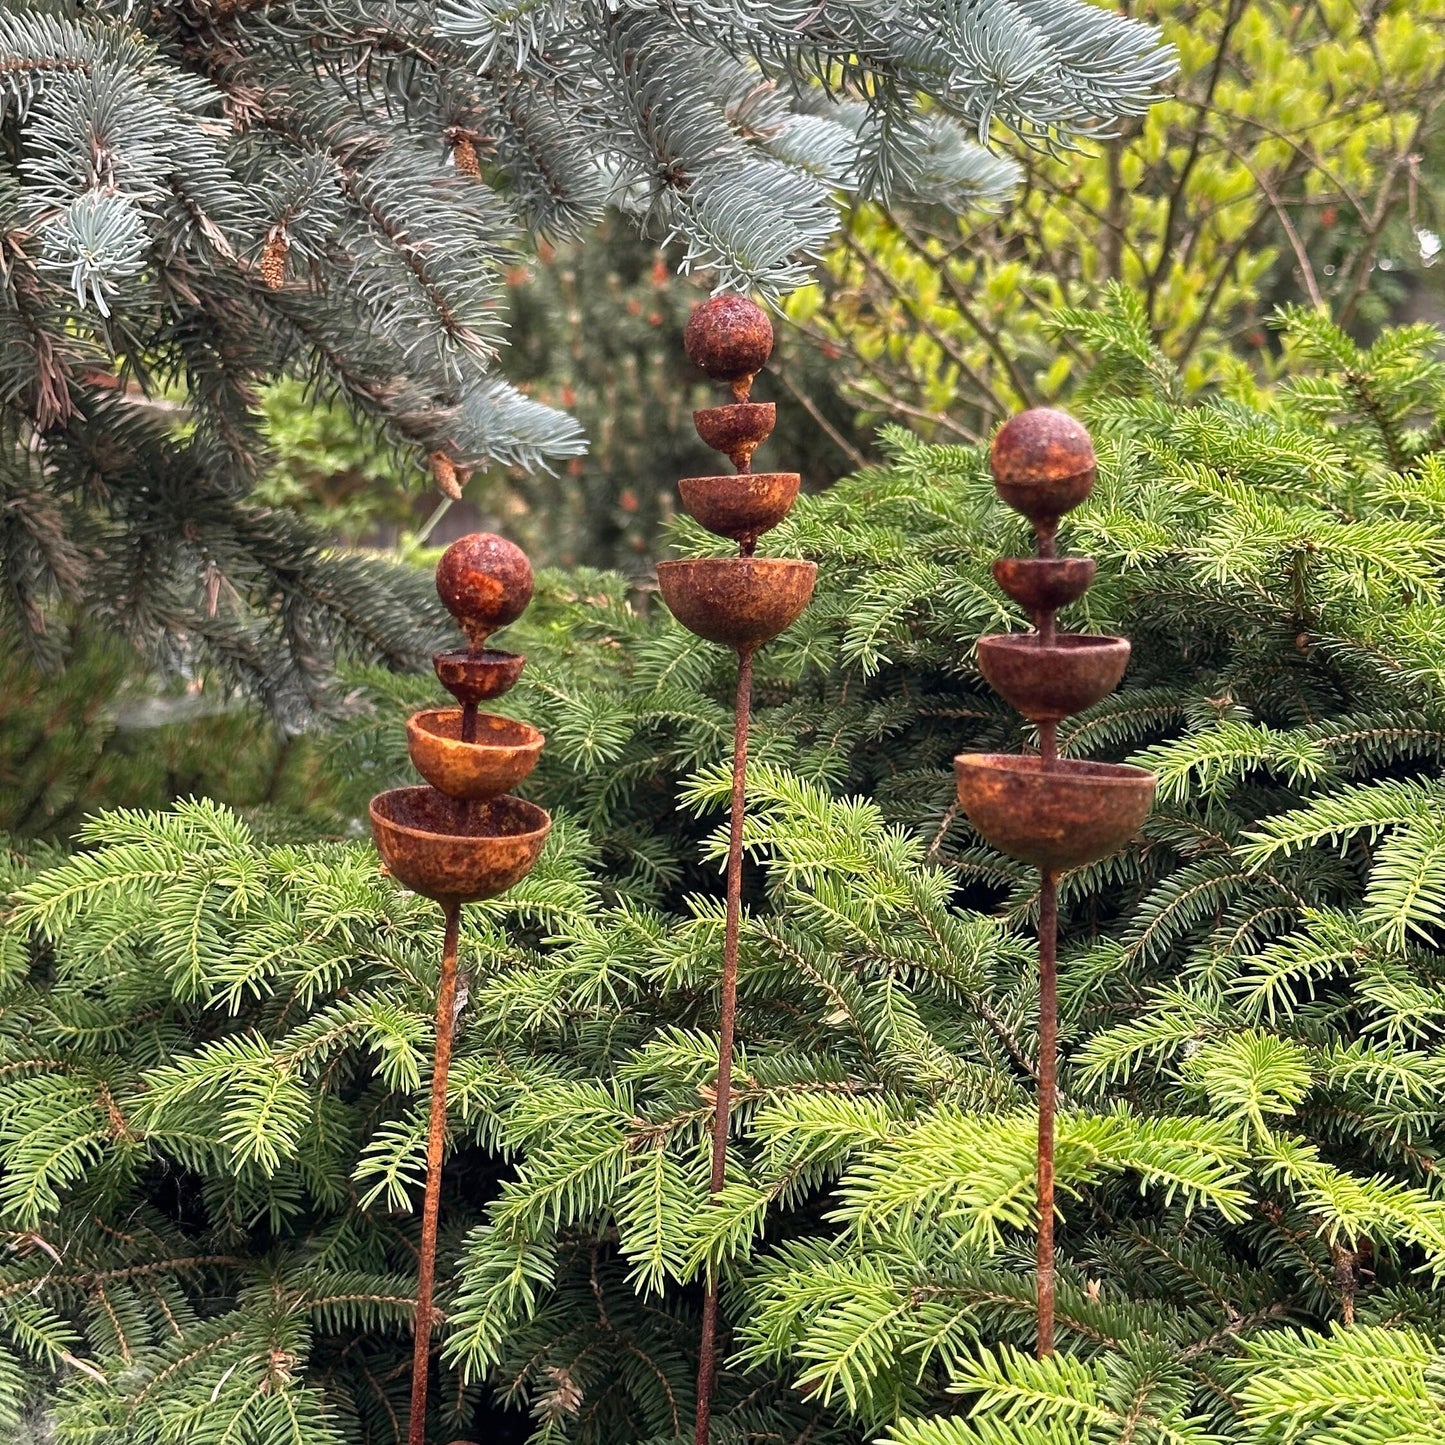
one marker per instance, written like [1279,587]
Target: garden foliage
[215,1044]
[198,196]
[1297,160]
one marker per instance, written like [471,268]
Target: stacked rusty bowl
[743,601]
[1052,813]
[463,837]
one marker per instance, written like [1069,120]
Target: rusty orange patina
[453,851]
[1051,679]
[1043,584]
[485,582]
[741,602]
[741,507]
[1055,815]
[736,431]
[1043,464]
[730,338]
[473,677]
[503,754]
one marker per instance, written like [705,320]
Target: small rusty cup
[737,431]
[1073,813]
[473,677]
[741,602]
[1046,681]
[741,507]
[452,851]
[502,755]
[1043,584]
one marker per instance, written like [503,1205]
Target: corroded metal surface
[1054,817]
[741,602]
[1051,679]
[476,676]
[503,753]
[456,851]
[464,838]
[1052,813]
[730,338]
[1044,584]
[485,582]
[1043,465]
[736,431]
[741,507]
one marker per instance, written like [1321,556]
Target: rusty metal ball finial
[1043,464]
[730,338]
[485,582]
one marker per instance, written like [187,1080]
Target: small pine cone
[464,153]
[444,470]
[273,260]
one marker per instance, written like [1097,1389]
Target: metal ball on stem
[464,838]
[740,602]
[1052,813]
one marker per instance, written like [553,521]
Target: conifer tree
[196,195]
[214,1045]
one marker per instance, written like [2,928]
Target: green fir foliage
[213,1051]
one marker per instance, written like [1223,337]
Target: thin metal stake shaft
[436,1135]
[707,1352]
[1048,1056]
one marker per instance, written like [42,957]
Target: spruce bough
[197,196]
[214,1045]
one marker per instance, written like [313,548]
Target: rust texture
[485,582]
[493,761]
[462,838]
[1052,813]
[446,1019]
[730,338]
[1051,679]
[737,431]
[741,507]
[740,602]
[473,677]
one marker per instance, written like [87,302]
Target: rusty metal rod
[722,1109]
[1048,1087]
[436,1136]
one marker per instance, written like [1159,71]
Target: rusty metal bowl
[452,851]
[1049,680]
[740,602]
[473,677]
[741,507]
[503,753]
[737,430]
[1054,817]
[1044,583]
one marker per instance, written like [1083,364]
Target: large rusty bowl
[474,676]
[740,602]
[1049,680]
[1042,584]
[502,755]
[741,507]
[1063,817]
[452,851]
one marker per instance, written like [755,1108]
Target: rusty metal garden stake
[463,838]
[740,602]
[1054,814]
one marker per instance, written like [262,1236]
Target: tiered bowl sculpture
[1050,812]
[740,602]
[463,837]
